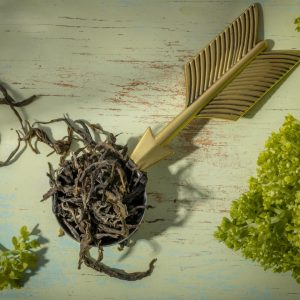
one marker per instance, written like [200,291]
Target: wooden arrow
[225,80]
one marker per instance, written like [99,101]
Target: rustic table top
[120,64]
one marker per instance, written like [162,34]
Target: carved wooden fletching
[229,47]
[261,75]
[221,54]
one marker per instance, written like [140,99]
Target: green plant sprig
[17,262]
[264,223]
[297,23]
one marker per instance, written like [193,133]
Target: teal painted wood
[120,63]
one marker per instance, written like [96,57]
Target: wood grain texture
[120,63]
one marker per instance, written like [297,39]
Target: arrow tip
[147,152]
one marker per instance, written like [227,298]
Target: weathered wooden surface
[119,63]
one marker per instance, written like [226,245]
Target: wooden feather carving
[251,85]
[221,54]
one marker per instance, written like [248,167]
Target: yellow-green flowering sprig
[264,222]
[17,262]
[297,23]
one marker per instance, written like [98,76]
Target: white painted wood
[120,63]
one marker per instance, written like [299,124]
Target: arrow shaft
[151,149]
[166,134]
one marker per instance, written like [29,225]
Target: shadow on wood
[41,259]
[165,207]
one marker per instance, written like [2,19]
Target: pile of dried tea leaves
[98,196]
[98,193]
